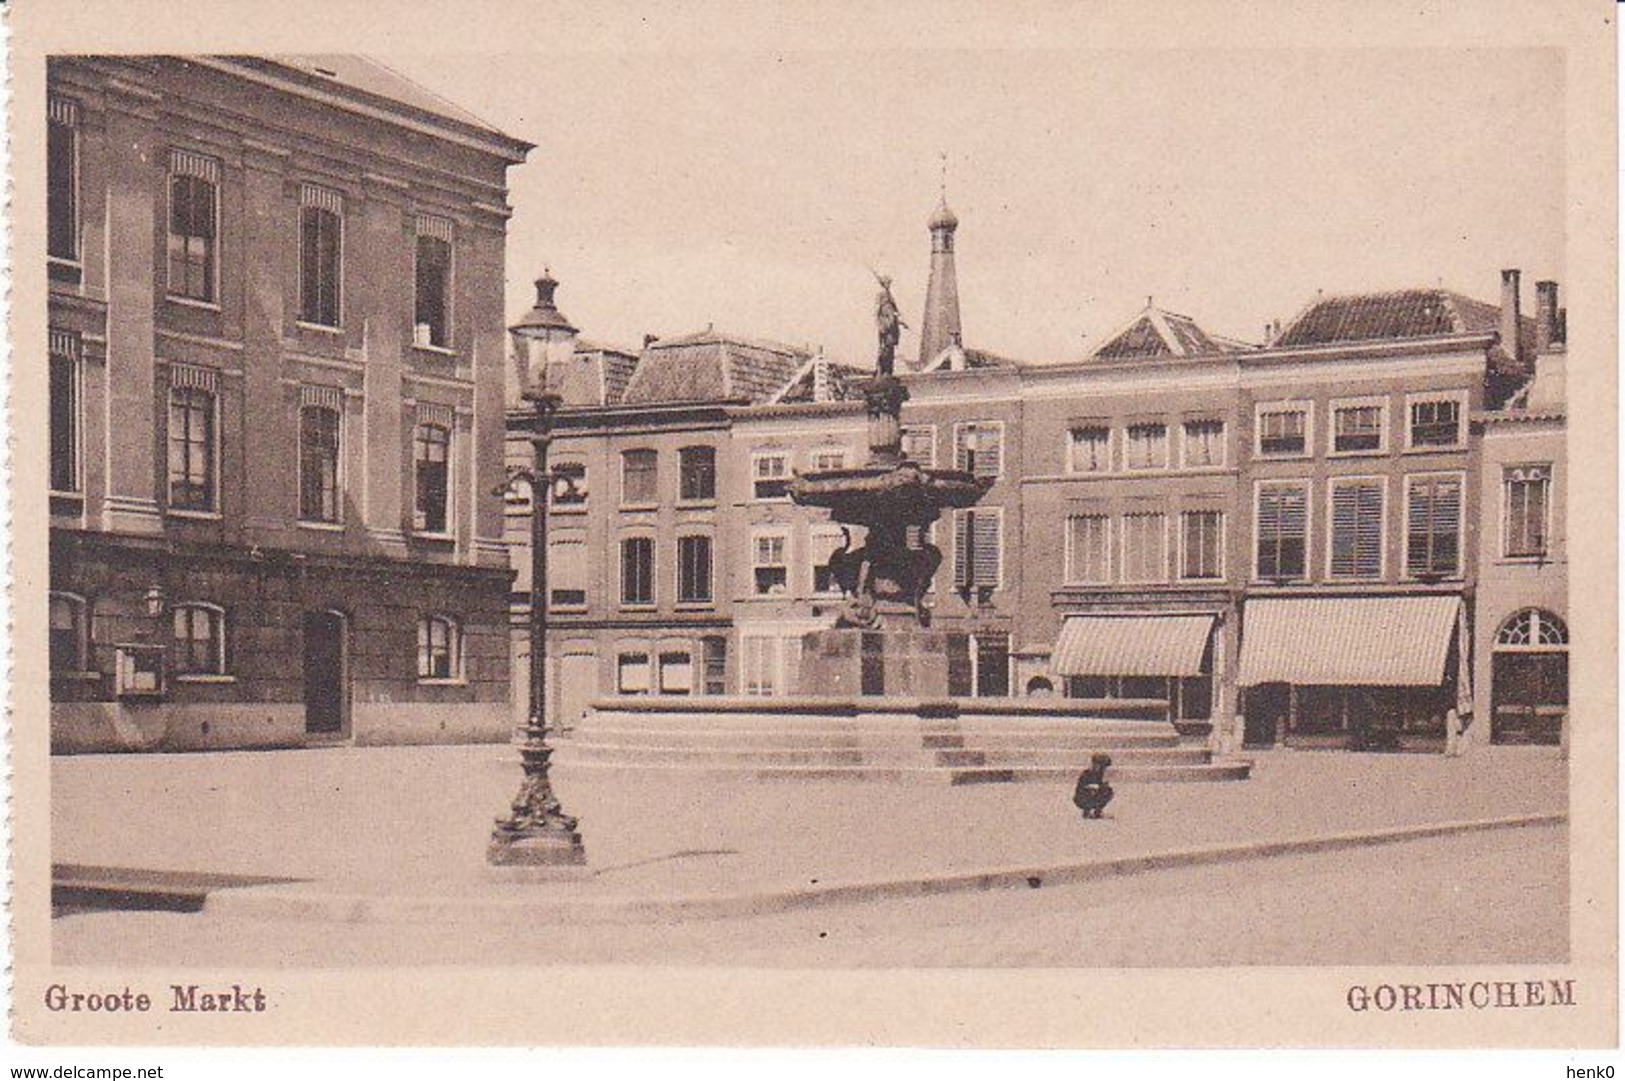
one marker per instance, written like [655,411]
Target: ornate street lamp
[538,838]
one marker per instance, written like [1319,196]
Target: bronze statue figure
[888,325]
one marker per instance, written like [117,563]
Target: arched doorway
[1530,679]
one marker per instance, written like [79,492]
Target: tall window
[770,564]
[1283,530]
[770,475]
[440,648]
[1435,422]
[431,308]
[1146,447]
[64,408]
[1145,548]
[431,451]
[1528,493]
[321,242]
[62,189]
[1203,444]
[200,640]
[979,447]
[1201,544]
[69,648]
[978,548]
[1089,449]
[194,215]
[319,463]
[567,571]
[920,444]
[697,473]
[1356,528]
[1088,549]
[1358,427]
[638,570]
[694,570]
[191,449]
[1433,525]
[1283,431]
[759,664]
[639,478]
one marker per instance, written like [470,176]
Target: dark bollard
[1093,793]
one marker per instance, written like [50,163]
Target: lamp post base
[538,857]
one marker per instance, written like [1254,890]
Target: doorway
[327,677]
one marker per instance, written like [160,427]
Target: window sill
[434,350]
[1209,580]
[695,606]
[191,302]
[76,676]
[1203,467]
[1282,456]
[1436,448]
[77,497]
[193,515]
[640,508]
[204,677]
[434,538]
[319,328]
[697,504]
[625,607]
[1374,452]
[566,609]
[770,499]
[322,527]
[442,681]
[1532,559]
[561,508]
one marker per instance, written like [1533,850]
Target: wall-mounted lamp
[156,599]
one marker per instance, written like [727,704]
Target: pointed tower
[940,326]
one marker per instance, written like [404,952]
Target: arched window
[1532,628]
[69,643]
[440,648]
[200,640]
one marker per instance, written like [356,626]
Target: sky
[753,190]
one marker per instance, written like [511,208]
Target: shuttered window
[1283,518]
[1145,548]
[1356,529]
[1433,532]
[1204,444]
[979,448]
[567,572]
[1090,449]
[979,548]
[1088,549]
[920,444]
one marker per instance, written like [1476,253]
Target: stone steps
[897,741]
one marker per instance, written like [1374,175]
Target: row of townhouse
[276,378]
[1280,541]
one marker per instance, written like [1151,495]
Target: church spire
[940,326]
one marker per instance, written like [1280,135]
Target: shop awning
[1132,645]
[1348,641]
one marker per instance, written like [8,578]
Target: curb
[296,903]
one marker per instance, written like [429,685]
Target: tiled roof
[371,77]
[1158,333]
[711,366]
[841,377]
[1405,313]
[957,358]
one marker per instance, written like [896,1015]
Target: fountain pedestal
[882,643]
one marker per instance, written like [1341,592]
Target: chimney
[1509,314]
[1546,316]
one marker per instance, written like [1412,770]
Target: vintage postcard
[1055,525]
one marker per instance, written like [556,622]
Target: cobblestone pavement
[415,820]
[1478,898]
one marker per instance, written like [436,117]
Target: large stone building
[276,357]
[1279,541]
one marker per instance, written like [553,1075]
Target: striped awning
[1132,645]
[1348,641]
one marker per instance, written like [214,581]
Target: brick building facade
[1280,541]
[277,374]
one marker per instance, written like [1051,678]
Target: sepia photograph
[708,514]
